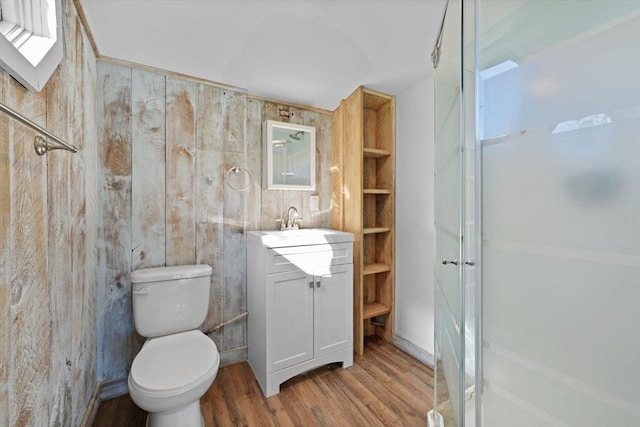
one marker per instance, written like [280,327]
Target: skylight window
[31,40]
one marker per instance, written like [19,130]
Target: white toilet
[178,363]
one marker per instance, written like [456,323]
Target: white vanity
[300,302]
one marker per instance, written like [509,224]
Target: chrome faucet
[292,220]
[291,223]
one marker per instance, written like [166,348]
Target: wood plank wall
[48,236]
[166,144]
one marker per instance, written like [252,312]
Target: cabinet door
[333,303]
[289,319]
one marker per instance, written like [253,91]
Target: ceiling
[309,52]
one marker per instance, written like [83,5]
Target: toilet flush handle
[143,291]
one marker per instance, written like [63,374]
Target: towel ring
[236,170]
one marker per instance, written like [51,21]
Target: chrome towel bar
[40,144]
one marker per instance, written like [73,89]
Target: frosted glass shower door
[561,213]
[449,157]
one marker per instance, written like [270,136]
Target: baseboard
[236,355]
[92,408]
[114,388]
[413,350]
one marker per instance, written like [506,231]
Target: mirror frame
[268,130]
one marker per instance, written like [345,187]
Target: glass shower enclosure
[537,142]
[454,225]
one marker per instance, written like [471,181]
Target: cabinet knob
[453,261]
[311,284]
[318,283]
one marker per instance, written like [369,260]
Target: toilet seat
[172,365]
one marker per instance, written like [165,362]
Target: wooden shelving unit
[363,186]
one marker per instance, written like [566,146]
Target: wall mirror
[290,156]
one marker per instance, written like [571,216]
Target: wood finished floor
[385,387]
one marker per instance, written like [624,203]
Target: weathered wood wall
[48,237]
[166,144]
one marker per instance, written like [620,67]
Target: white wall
[414,309]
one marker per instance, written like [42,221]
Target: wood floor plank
[207,412]
[298,410]
[106,411]
[385,387]
[308,390]
[399,366]
[223,410]
[324,416]
[368,407]
[279,412]
[407,406]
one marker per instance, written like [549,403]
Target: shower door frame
[470,239]
[449,320]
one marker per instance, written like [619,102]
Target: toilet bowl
[170,374]
[177,364]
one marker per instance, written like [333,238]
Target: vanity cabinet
[300,304]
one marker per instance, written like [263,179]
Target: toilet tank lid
[159,274]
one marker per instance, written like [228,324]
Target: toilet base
[188,416]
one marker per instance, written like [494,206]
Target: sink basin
[300,237]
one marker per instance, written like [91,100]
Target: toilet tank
[168,300]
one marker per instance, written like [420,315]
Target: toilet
[178,363]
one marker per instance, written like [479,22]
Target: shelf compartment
[383,191]
[374,309]
[377,249]
[375,268]
[377,174]
[375,152]
[375,230]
